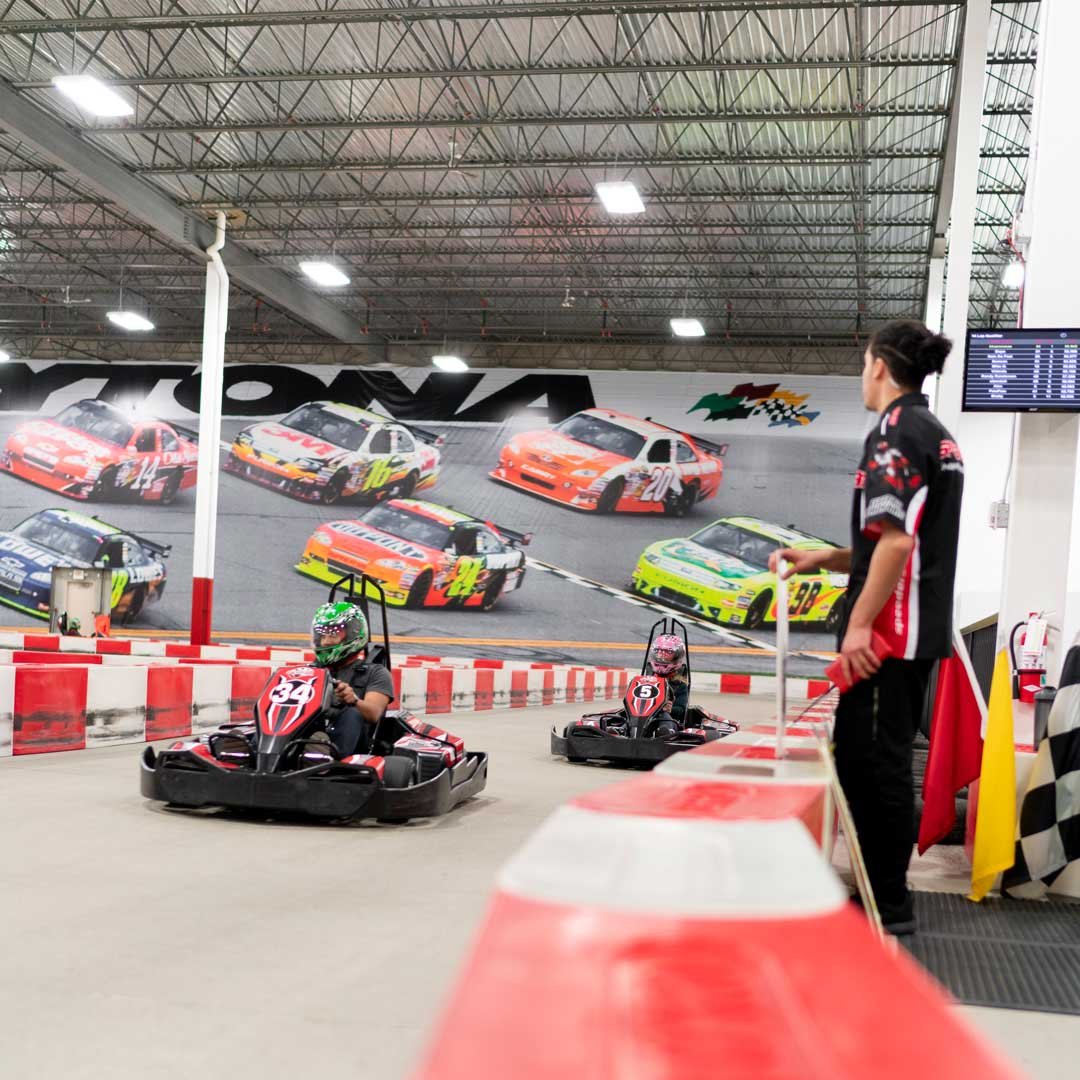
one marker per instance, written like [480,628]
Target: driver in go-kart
[362,691]
[667,658]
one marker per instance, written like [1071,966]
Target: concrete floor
[139,942]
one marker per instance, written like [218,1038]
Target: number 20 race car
[63,538]
[324,451]
[722,573]
[605,461]
[423,555]
[93,450]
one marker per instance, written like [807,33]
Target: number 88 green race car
[722,573]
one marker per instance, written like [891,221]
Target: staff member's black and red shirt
[912,475]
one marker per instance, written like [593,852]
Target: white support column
[215,323]
[1042,569]
[983,438]
[935,285]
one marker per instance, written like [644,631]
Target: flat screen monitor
[1022,371]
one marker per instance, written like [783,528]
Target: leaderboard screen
[1022,371]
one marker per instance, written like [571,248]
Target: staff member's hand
[345,694]
[798,561]
[857,656]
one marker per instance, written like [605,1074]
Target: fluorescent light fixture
[324,273]
[4,356]
[446,362]
[620,197]
[1012,277]
[128,320]
[92,95]
[687,328]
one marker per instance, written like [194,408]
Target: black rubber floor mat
[1009,954]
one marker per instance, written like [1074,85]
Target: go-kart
[643,731]
[280,762]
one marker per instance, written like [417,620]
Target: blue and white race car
[64,538]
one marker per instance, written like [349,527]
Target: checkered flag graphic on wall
[1048,832]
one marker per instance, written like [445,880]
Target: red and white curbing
[686,925]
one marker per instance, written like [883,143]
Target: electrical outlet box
[999,514]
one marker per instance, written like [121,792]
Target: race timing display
[1022,371]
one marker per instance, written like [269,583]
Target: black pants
[348,731]
[876,722]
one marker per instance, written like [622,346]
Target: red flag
[955,745]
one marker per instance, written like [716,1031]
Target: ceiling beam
[52,139]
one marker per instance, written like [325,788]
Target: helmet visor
[324,637]
[665,656]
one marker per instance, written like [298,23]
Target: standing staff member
[902,561]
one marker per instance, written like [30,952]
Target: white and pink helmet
[667,654]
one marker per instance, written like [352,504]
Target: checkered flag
[1048,832]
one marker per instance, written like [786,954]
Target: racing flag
[1048,838]
[955,744]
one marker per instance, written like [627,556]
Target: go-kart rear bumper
[319,791]
[615,748]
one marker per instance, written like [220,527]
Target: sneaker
[318,747]
[667,729]
[900,920]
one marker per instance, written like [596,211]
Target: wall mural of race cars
[547,490]
[608,462]
[422,554]
[722,573]
[49,538]
[94,450]
[325,451]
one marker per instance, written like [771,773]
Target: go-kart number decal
[379,474]
[659,484]
[289,697]
[803,600]
[466,574]
[646,690]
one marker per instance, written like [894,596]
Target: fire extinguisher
[1029,670]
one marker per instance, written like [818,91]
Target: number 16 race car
[325,451]
[93,450]
[423,555]
[274,765]
[604,461]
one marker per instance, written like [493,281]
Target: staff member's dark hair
[910,351]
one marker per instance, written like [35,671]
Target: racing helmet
[338,630]
[667,654]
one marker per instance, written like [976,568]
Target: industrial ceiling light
[325,274]
[92,95]
[687,328]
[129,320]
[1012,277]
[4,356]
[449,362]
[619,197]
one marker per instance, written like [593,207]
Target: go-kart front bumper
[577,745]
[322,791]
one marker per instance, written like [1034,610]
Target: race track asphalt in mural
[574,590]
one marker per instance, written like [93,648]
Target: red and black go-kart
[273,765]
[641,731]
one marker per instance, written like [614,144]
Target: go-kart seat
[376,654]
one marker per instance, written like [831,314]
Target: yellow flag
[995,826]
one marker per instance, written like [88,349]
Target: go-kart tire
[610,496]
[756,613]
[332,492]
[493,591]
[171,488]
[399,772]
[420,588]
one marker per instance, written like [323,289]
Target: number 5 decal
[658,486]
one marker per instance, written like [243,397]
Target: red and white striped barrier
[57,643]
[682,924]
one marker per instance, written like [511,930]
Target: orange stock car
[605,461]
[422,554]
[93,450]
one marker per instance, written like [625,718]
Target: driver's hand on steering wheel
[345,693]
